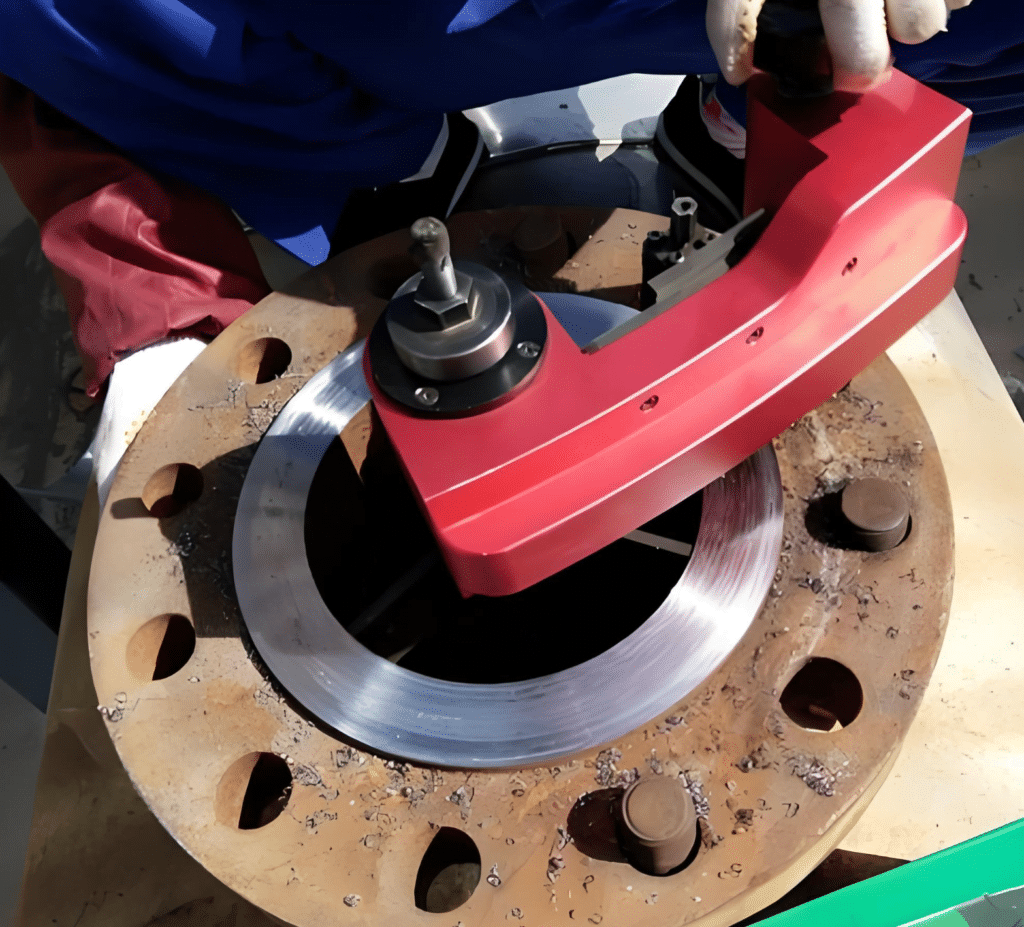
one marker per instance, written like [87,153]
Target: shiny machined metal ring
[433,721]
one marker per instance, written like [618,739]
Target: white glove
[855,31]
[137,384]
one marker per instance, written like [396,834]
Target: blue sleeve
[219,93]
[978,62]
[477,12]
[282,107]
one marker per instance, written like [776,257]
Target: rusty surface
[772,796]
[96,854]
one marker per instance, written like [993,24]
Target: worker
[137,131]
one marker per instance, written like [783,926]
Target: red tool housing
[864,240]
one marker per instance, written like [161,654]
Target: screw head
[528,349]
[427,396]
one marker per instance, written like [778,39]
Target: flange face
[779,747]
[445,723]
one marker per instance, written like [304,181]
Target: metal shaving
[608,775]
[266,697]
[306,775]
[413,795]
[701,805]
[344,756]
[462,798]
[314,821]
[756,759]
[814,774]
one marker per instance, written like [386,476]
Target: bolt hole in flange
[171,489]
[161,647]
[449,872]
[253,791]
[263,360]
[824,695]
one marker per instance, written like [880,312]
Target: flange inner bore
[378,570]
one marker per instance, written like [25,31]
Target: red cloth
[136,258]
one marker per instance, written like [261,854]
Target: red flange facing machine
[576,447]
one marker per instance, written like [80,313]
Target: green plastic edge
[993,862]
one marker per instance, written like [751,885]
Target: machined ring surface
[429,720]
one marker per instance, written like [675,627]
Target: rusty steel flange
[779,749]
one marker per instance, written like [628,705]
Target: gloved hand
[855,31]
[137,384]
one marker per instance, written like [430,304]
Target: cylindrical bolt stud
[657,824]
[683,220]
[876,512]
[432,247]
